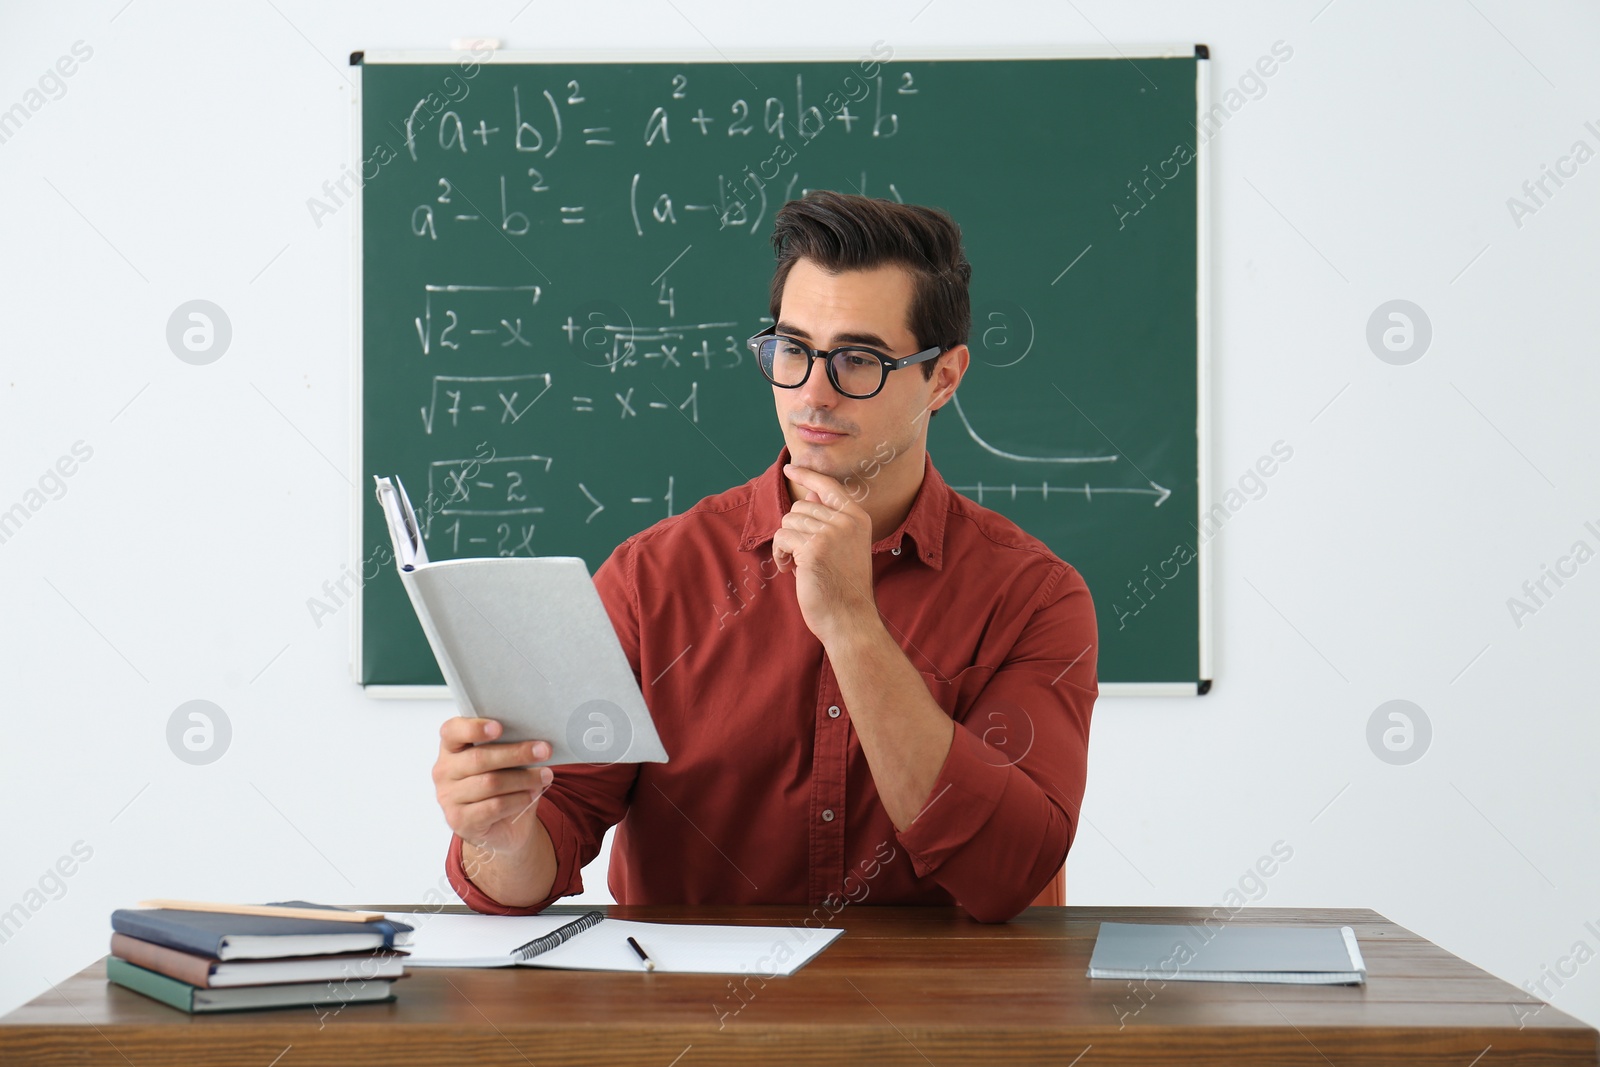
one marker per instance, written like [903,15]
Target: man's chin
[836,447]
[831,459]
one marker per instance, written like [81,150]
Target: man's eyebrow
[871,339]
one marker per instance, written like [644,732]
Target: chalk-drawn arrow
[1160,492]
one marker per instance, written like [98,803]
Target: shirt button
[827,814]
[895,551]
[833,712]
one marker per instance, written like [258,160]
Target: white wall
[1376,165]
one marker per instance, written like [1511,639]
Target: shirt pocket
[955,693]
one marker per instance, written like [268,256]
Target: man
[870,687]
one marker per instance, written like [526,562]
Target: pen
[649,964]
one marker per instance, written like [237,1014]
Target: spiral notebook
[592,942]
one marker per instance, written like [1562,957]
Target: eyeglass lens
[856,372]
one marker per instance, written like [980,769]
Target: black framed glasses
[856,371]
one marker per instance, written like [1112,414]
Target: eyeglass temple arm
[919,357]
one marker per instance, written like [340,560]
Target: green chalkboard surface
[560,261]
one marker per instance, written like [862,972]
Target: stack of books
[200,957]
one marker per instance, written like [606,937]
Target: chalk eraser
[474,44]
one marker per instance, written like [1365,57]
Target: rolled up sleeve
[1004,810]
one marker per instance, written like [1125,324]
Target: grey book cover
[525,641]
[1322,955]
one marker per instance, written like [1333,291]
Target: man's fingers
[483,783]
[459,732]
[812,508]
[481,759]
[815,485]
[521,781]
[805,524]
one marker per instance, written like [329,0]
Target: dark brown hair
[840,232]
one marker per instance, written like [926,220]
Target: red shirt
[768,797]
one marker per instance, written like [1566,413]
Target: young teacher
[872,688]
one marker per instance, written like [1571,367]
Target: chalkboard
[560,260]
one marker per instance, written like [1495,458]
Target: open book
[592,942]
[525,641]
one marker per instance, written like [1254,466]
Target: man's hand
[487,796]
[827,539]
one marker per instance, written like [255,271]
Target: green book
[193,999]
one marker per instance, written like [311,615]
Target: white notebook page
[676,948]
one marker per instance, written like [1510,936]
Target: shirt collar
[923,524]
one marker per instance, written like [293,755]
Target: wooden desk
[902,986]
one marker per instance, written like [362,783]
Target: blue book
[228,936]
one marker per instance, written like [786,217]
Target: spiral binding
[558,936]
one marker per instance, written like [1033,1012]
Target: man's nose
[818,391]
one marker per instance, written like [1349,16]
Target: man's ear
[950,368]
